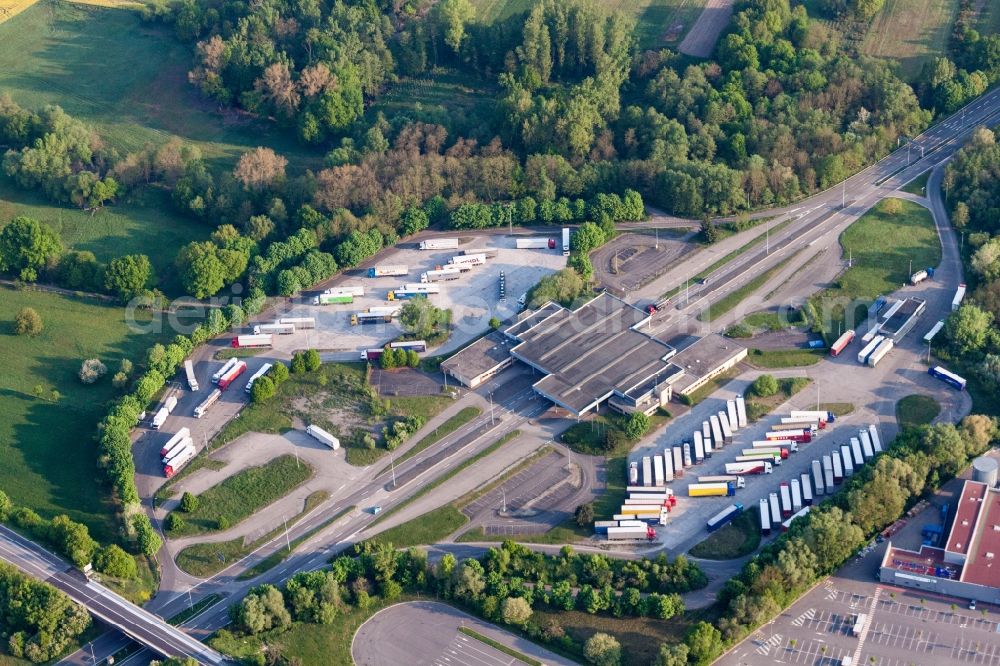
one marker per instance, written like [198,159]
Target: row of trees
[505,585]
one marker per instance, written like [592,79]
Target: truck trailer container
[183,458]
[879,353]
[795,516]
[646,533]
[332,299]
[385,271]
[212,398]
[565,241]
[490,252]
[727,431]
[623,517]
[867,350]
[175,451]
[658,470]
[191,379]
[807,493]
[439,244]
[668,465]
[705,441]
[170,403]
[935,329]
[711,490]
[252,341]
[160,417]
[706,431]
[812,426]
[699,449]
[841,343]
[789,444]
[231,376]
[647,471]
[724,478]
[323,436]
[876,440]
[601,526]
[741,411]
[774,451]
[442,275]
[633,473]
[758,457]
[765,517]
[809,415]
[828,480]
[647,489]
[796,494]
[356,291]
[362,318]
[956,301]
[918,277]
[678,461]
[786,500]
[817,477]
[859,453]
[838,466]
[866,444]
[468,260]
[775,505]
[686,447]
[847,460]
[955,381]
[535,243]
[717,441]
[300,323]
[275,328]
[800,435]
[734,419]
[725,516]
[174,441]
[753,467]
[263,370]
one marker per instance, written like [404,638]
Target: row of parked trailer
[793,498]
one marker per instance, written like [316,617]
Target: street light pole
[392,465]
[492,421]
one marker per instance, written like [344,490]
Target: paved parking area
[424,632]
[473,299]
[632,260]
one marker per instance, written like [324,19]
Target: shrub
[114,561]
[92,370]
[174,523]
[189,502]
[764,386]
[28,322]
[298,363]
[603,650]
[313,361]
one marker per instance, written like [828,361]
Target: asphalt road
[813,215]
[140,625]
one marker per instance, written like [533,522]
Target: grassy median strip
[419,524]
[278,556]
[443,430]
[509,651]
[235,499]
[189,613]
[206,559]
[727,303]
[785,358]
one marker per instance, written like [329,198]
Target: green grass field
[911,32]
[142,224]
[785,358]
[243,494]
[738,538]
[48,456]
[658,22]
[883,248]
[106,67]
[916,410]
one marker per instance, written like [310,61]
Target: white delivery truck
[439,244]
[323,436]
[191,379]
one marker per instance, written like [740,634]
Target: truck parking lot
[473,298]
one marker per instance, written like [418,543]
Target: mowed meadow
[48,451]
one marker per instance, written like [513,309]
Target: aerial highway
[816,217]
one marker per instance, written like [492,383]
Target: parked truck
[300,323]
[753,467]
[866,444]
[646,533]
[859,454]
[491,253]
[765,517]
[789,444]
[800,435]
[385,271]
[838,466]
[332,299]
[775,505]
[919,277]
[565,240]
[678,455]
[668,465]
[686,447]
[442,275]
[778,451]
[705,441]
[439,244]
[183,458]
[741,411]
[880,352]
[724,517]
[734,419]
[847,459]
[231,376]
[176,450]
[160,417]
[252,341]
[410,291]
[956,302]
[758,457]
[786,500]
[867,350]
[796,494]
[263,370]
[468,260]
[724,478]
[876,441]
[828,481]
[727,431]
[717,441]
[711,490]
[818,480]
[633,473]
[818,415]
[658,470]
[699,449]
[212,398]
[174,441]
[323,436]
[841,343]
[535,243]
[191,379]
[276,328]
[807,493]
[647,471]
[227,366]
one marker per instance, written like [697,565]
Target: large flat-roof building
[479,361]
[964,567]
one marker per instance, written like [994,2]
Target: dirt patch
[632,260]
[700,41]
[788,339]
[403,382]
